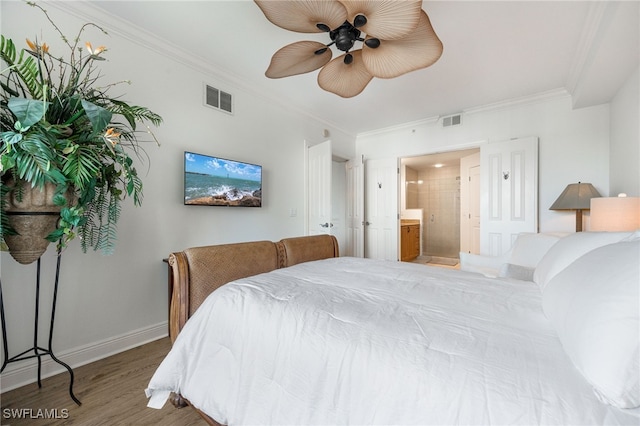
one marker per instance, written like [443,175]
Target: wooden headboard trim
[179,285]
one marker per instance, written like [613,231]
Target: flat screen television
[215,181]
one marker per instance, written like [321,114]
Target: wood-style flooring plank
[111,391]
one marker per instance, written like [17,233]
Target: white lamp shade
[615,214]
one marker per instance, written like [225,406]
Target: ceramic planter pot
[33,215]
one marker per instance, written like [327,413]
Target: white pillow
[594,306]
[568,249]
[526,251]
[528,248]
[489,266]
[517,272]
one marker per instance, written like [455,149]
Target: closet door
[381,209]
[319,184]
[470,204]
[509,193]
[355,208]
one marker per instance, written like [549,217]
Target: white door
[509,193]
[475,212]
[381,209]
[470,204]
[339,201]
[355,208]
[319,179]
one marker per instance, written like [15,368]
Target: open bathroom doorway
[440,192]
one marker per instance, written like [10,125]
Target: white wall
[625,139]
[574,144]
[107,303]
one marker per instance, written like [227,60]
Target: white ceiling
[494,51]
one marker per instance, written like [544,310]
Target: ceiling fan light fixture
[398,38]
[348,58]
[359,21]
[372,43]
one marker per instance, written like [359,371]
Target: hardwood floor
[111,391]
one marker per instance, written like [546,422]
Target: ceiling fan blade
[303,15]
[386,19]
[342,79]
[392,58]
[298,58]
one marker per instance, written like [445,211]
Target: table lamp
[615,214]
[576,196]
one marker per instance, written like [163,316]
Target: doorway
[431,190]
[326,196]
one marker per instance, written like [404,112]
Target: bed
[291,333]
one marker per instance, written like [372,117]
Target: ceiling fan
[396,36]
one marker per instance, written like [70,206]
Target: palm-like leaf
[386,19]
[345,80]
[419,49]
[298,58]
[33,160]
[81,166]
[25,67]
[134,114]
[303,16]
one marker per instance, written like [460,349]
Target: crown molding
[524,100]
[404,126]
[509,103]
[592,34]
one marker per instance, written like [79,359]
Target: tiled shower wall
[439,197]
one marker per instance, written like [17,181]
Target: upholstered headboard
[292,251]
[196,272]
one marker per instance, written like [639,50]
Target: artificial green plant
[59,124]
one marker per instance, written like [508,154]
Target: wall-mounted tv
[215,181]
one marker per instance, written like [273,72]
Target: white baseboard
[26,372]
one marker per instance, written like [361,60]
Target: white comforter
[360,341]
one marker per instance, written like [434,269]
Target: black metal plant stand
[37,351]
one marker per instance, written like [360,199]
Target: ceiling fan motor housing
[345,36]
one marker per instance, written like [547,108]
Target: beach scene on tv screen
[213,181]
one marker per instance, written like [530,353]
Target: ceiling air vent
[452,120]
[218,99]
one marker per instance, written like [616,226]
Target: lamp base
[578,220]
